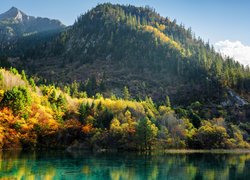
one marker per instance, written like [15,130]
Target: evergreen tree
[17,99]
[83,109]
[74,89]
[168,103]
[52,97]
[66,89]
[1,80]
[32,83]
[14,70]
[126,94]
[146,132]
[23,75]
[61,102]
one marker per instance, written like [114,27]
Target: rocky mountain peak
[15,14]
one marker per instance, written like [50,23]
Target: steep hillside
[113,46]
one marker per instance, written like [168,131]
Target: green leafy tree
[146,132]
[16,99]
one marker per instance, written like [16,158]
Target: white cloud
[235,49]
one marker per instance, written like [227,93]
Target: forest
[112,46]
[34,117]
[121,78]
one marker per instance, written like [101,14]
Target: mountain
[15,23]
[14,14]
[113,46]
[121,77]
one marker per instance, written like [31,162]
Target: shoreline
[214,151]
[167,151]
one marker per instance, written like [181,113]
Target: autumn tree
[210,137]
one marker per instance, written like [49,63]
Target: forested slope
[122,77]
[47,117]
[113,46]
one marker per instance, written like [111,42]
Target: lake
[79,165]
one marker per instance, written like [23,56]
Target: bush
[210,137]
[17,99]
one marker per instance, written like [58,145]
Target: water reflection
[64,165]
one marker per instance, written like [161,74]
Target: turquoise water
[118,166]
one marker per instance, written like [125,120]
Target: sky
[224,23]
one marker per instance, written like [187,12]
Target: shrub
[17,99]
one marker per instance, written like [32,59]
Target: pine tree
[32,83]
[52,97]
[17,99]
[1,80]
[61,102]
[168,103]
[146,132]
[83,111]
[126,94]
[23,75]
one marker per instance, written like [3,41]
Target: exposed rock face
[14,23]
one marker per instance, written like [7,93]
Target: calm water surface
[65,165]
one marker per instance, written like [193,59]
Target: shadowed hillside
[113,46]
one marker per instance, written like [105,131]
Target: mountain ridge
[15,23]
[132,46]
[13,13]
[123,78]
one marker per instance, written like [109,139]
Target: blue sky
[213,20]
